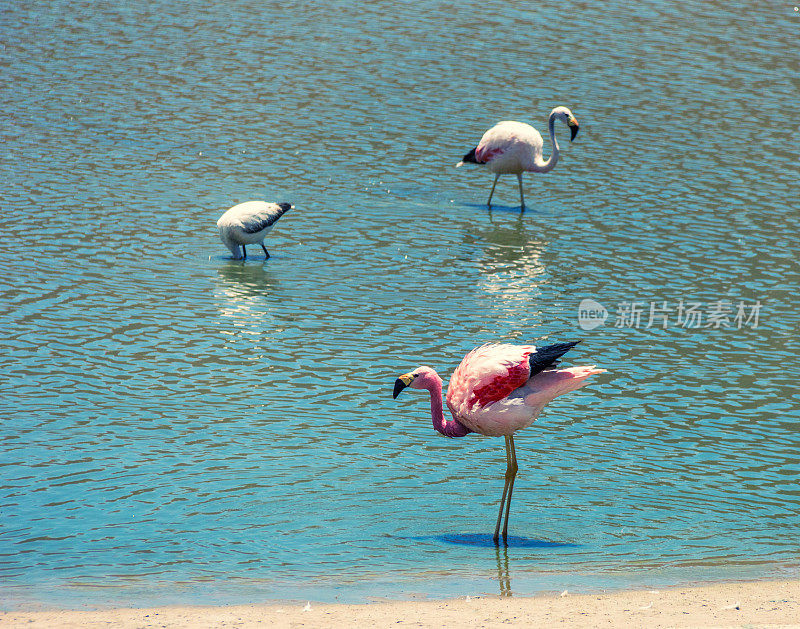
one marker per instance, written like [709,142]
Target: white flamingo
[512,147]
[248,223]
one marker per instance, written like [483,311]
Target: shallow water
[179,426]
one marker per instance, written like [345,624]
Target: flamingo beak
[574,127]
[401,383]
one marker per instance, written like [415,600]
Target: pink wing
[488,374]
[494,143]
[486,153]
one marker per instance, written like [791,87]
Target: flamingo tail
[547,357]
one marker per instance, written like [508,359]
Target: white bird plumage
[512,148]
[248,223]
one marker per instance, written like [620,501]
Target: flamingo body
[509,147]
[249,223]
[495,392]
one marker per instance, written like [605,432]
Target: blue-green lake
[177,426]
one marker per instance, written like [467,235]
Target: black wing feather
[546,357]
[256,224]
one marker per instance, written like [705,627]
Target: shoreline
[752,603]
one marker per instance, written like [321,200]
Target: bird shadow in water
[506,209]
[486,540]
[510,209]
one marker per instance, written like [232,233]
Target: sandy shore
[756,604]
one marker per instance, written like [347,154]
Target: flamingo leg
[496,537]
[489,202]
[266,253]
[513,467]
[521,195]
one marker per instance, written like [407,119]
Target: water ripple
[177,419]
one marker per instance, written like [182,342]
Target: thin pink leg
[489,202]
[505,493]
[513,469]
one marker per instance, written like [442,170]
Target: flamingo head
[565,115]
[421,378]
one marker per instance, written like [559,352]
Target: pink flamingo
[496,391]
[513,148]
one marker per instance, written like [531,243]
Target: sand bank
[755,604]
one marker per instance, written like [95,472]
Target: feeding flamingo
[512,147]
[249,223]
[497,390]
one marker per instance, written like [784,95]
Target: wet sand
[754,604]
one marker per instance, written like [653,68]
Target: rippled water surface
[179,426]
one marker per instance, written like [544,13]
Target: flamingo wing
[494,143]
[252,217]
[263,217]
[508,138]
[490,390]
[488,374]
[547,357]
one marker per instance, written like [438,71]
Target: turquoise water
[181,427]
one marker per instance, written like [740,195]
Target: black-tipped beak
[574,128]
[399,385]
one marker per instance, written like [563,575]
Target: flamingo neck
[542,166]
[449,428]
